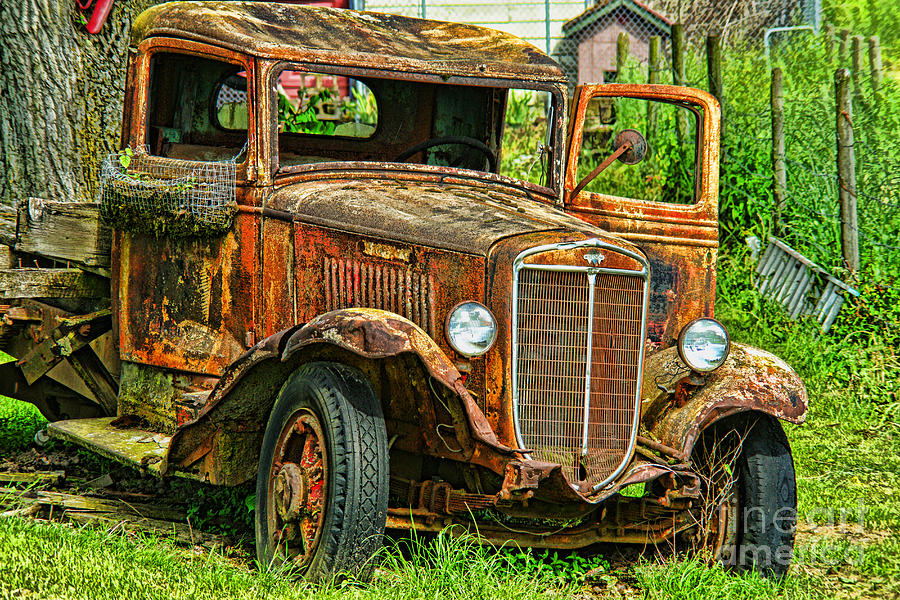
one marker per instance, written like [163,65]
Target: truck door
[660,191]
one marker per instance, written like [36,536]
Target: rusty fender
[222,444]
[676,407]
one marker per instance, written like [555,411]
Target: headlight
[471,329]
[703,344]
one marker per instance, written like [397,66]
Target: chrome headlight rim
[681,339]
[454,343]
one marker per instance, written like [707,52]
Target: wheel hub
[297,485]
[291,486]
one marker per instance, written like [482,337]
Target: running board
[139,448]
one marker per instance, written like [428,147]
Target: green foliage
[811,218]
[125,157]
[867,17]
[362,107]
[293,119]
[217,509]
[524,155]
[19,421]
[561,568]
[5,358]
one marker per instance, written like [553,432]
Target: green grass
[45,560]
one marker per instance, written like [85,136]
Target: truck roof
[343,37]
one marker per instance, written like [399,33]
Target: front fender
[221,444]
[675,410]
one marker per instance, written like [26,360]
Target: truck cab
[385,268]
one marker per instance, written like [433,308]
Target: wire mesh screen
[166,196]
[581,35]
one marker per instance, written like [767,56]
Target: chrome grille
[578,353]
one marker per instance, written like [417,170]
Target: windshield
[330,116]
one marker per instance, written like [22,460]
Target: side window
[197,107]
[669,169]
[526,136]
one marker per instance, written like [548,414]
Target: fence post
[678,54]
[829,43]
[875,68]
[678,75]
[843,47]
[857,67]
[779,170]
[714,66]
[714,81]
[846,167]
[653,77]
[622,44]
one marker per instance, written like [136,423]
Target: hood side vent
[352,283]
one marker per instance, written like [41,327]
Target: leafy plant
[293,119]
[559,567]
[361,108]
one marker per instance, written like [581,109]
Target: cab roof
[343,37]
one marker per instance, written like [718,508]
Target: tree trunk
[60,97]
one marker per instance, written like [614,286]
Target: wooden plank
[180,532]
[51,283]
[7,225]
[66,231]
[41,477]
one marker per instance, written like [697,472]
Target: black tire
[336,403]
[768,497]
[760,488]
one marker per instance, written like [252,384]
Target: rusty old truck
[394,272]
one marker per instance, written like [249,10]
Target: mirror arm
[599,168]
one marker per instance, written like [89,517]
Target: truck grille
[577,369]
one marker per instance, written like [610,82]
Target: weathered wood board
[66,231]
[7,225]
[51,283]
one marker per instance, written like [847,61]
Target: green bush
[19,421]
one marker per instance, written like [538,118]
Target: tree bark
[60,97]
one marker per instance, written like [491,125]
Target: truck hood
[451,216]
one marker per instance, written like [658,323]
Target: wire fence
[811,219]
[581,34]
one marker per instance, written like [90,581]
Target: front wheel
[322,485]
[749,509]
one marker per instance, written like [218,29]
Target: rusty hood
[458,217]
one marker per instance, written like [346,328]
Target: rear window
[197,107]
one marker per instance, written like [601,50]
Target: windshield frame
[556,125]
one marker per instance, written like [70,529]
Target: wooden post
[714,81]
[828,34]
[779,171]
[846,167]
[875,68]
[714,66]
[678,75]
[621,56]
[653,77]
[678,54]
[857,67]
[843,47]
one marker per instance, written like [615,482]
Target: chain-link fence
[581,34]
